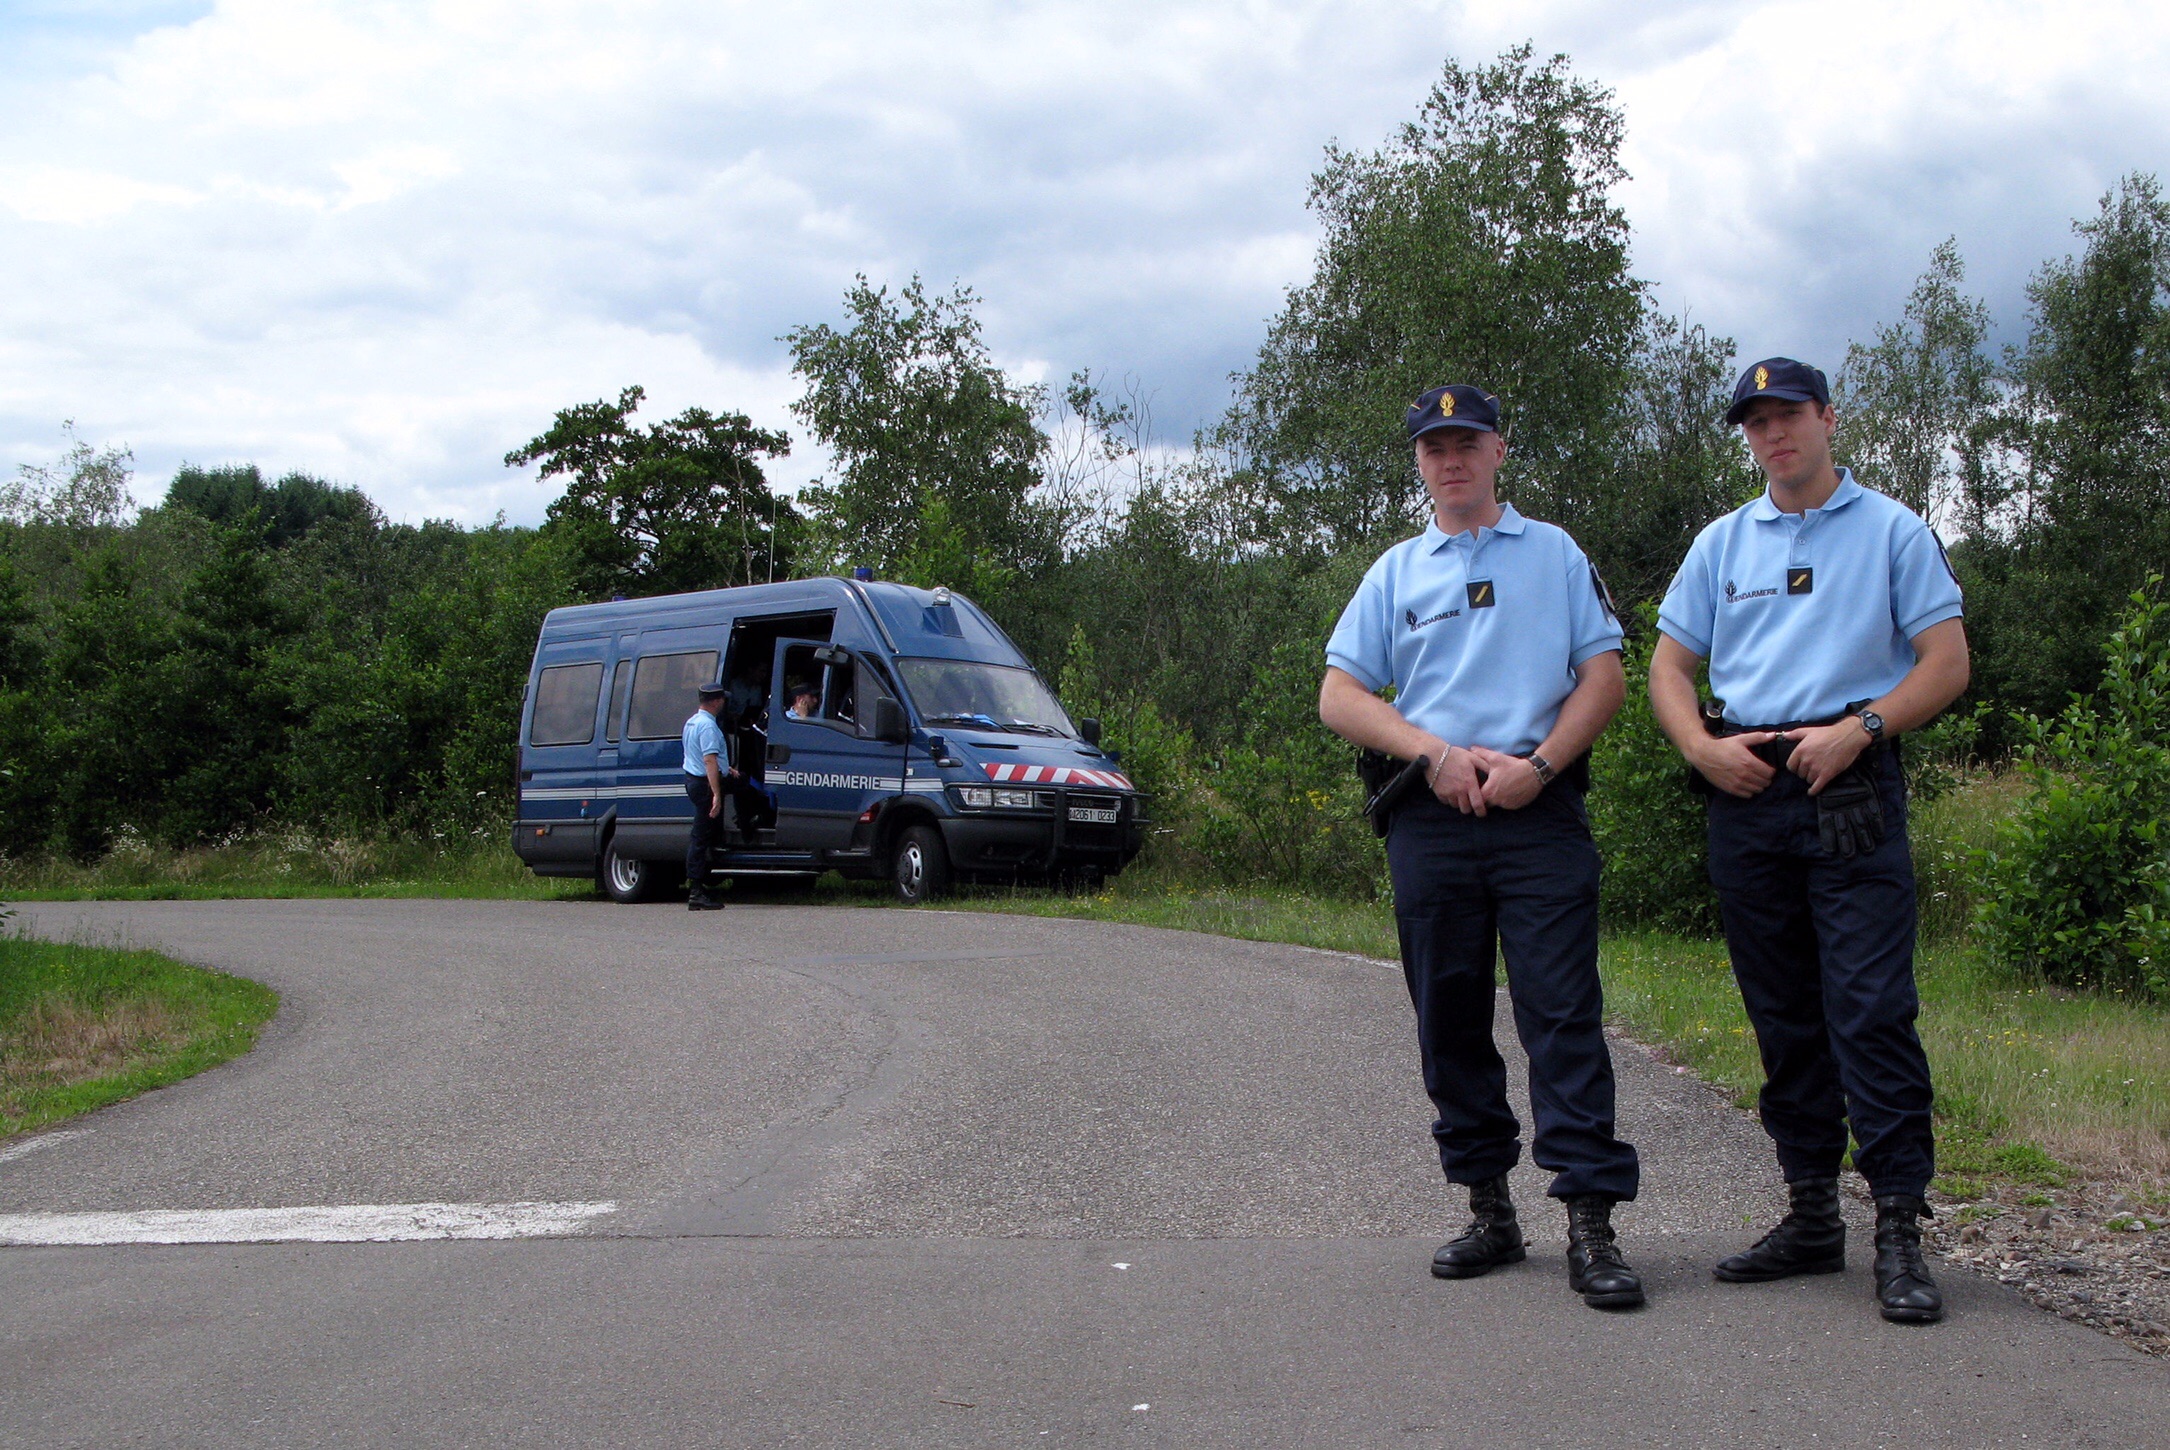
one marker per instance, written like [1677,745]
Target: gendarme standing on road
[1497,636]
[707,756]
[1831,620]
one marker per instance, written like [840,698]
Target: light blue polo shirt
[1801,615]
[1480,632]
[703,736]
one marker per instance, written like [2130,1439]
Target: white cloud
[69,196]
[384,242]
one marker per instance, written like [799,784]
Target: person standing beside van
[705,753]
[1501,644]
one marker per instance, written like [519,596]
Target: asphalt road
[926,1178]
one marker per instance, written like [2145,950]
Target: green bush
[1157,753]
[2076,887]
[1283,805]
[1939,756]
[1649,825]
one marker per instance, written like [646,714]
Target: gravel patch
[2093,1253]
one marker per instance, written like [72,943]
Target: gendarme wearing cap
[1458,405]
[1781,378]
[1830,619]
[1504,655]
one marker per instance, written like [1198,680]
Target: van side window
[666,688]
[565,705]
[621,681]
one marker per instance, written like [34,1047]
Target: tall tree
[86,489]
[929,436]
[1481,245]
[1913,404]
[1677,464]
[677,505]
[2075,514]
[236,496]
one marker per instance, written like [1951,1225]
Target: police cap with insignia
[1778,377]
[713,690]
[1458,405]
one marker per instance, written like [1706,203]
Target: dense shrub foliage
[2076,887]
[1649,826]
[188,680]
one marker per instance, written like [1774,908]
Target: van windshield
[992,697]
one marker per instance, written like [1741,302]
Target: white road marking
[44,1140]
[358,1223]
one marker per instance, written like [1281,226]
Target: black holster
[1387,783]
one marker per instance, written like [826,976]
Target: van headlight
[984,797]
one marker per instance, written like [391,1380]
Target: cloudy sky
[384,242]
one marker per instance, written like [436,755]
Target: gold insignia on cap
[1446,405]
[1763,378]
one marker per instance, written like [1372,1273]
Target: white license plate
[1092,817]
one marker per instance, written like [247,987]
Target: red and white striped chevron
[1060,775]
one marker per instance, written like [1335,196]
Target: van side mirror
[1088,730]
[890,726]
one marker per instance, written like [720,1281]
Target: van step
[783,861]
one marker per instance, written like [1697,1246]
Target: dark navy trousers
[1823,950]
[1523,885]
[701,838]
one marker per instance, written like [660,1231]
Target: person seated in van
[805,700]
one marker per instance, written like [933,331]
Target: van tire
[626,879]
[920,868]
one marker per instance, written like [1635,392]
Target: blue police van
[924,747]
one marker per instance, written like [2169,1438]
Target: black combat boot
[1493,1237]
[699,898]
[1810,1239]
[1903,1287]
[1595,1269]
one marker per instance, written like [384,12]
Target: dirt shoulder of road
[2087,1251]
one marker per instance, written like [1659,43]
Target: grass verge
[2029,1079]
[83,1026]
[289,864]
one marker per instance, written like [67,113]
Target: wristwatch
[1873,723]
[1542,766]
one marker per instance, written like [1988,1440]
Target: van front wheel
[625,878]
[921,868]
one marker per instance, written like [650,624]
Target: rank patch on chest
[1481,595]
[1800,580]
